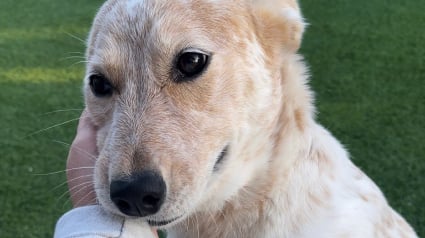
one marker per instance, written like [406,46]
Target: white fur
[292,14]
[132,6]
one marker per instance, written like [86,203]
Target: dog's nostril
[123,205]
[151,201]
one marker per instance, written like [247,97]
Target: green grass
[367,62]
[37,76]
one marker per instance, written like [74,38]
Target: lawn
[367,65]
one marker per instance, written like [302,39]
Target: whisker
[80,62]
[81,199]
[72,57]
[84,185]
[76,53]
[51,127]
[63,171]
[62,110]
[91,156]
[80,187]
[76,37]
[62,184]
[61,197]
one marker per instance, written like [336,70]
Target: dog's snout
[139,195]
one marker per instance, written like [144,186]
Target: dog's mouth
[162,223]
[221,158]
[219,161]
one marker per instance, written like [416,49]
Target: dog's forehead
[144,29]
[156,10]
[173,15]
[132,4]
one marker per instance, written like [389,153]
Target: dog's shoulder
[332,197]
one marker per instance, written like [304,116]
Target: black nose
[139,195]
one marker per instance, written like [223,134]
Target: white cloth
[93,222]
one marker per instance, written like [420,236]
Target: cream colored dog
[207,125]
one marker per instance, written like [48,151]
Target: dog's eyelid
[96,72]
[99,70]
[194,50]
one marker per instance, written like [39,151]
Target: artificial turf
[367,66]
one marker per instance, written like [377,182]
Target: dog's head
[180,90]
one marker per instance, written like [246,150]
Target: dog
[207,125]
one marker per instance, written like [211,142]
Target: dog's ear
[279,23]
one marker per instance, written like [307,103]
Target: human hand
[80,165]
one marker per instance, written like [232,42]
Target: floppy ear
[279,23]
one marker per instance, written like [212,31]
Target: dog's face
[176,89]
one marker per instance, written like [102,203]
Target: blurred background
[366,59]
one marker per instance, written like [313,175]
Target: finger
[155,232]
[81,161]
[86,125]
[80,170]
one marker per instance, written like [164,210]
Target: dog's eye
[190,64]
[100,86]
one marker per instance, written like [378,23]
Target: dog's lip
[221,157]
[163,222]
